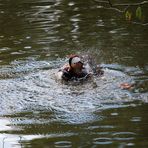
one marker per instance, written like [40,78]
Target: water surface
[36,110]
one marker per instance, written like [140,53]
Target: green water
[38,111]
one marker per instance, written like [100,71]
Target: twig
[116,9]
[125,4]
[134,4]
[114,6]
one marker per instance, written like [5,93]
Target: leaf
[139,13]
[128,15]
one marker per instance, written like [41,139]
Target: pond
[36,110]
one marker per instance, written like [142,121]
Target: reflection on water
[110,130]
[36,110]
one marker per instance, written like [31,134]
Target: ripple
[130,144]
[102,141]
[124,136]
[101,127]
[75,19]
[114,114]
[113,31]
[4,48]
[71,3]
[63,144]
[136,119]
[27,47]
[16,53]
[28,37]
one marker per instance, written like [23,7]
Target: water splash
[74,102]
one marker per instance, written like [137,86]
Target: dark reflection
[46,28]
